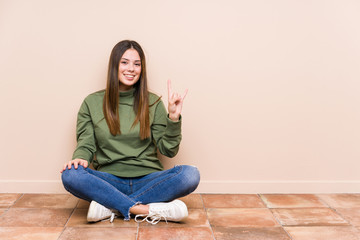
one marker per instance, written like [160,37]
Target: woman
[119,130]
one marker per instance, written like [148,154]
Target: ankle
[139,209]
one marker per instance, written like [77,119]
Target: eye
[123,62]
[137,64]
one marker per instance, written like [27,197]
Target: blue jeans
[123,193]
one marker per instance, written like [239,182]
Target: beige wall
[273,103]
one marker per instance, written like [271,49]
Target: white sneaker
[174,211]
[98,212]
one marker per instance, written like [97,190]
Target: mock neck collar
[129,93]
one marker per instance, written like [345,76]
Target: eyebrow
[129,60]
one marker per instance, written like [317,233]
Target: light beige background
[273,103]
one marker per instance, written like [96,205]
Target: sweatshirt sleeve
[86,145]
[165,132]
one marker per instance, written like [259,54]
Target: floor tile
[274,233]
[350,214]
[83,204]
[196,218]
[308,217]
[341,200]
[175,234]
[193,201]
[30,233]
[2,210]
[35,217]
[231,216]
[46,201]
[98,233]
[8,199]
[323,233]
[78,219]
[232,201]
[241,217]
[292,200]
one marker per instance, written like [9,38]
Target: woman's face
[129,69]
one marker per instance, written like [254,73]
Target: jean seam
[117,181]
[150,179]
[150,188]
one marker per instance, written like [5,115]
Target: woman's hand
[175,103]
[76,162]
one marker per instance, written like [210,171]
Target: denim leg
[93,185]
[165,186]
[121,184]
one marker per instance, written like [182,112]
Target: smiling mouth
[129,76]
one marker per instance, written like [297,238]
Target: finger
[75,165]
[63,169]
[185,93]
[176,97]
[172,98]
[84,164]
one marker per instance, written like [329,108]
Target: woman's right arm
[86,145]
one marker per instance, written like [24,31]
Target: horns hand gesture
[175,103]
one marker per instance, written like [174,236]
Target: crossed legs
[131,195]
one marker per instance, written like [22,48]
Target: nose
[131,67]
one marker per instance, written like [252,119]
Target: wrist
[174,118]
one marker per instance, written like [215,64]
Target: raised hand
[175,101]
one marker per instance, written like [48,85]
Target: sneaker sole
[92,213]
[184,209]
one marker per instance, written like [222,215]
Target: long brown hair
[141,94]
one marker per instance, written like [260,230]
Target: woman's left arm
[166,128]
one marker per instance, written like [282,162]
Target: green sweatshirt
[125,155]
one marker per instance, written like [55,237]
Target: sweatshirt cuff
[82,154]
[173,128]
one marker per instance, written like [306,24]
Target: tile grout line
[78,203]
[22,195]
[8,208]
[72,212]
[207,217]
[277,220]
[338,213]
[61,233]
[333,209]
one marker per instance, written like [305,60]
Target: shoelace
[112,217]
[152,219]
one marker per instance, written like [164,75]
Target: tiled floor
[211,216]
